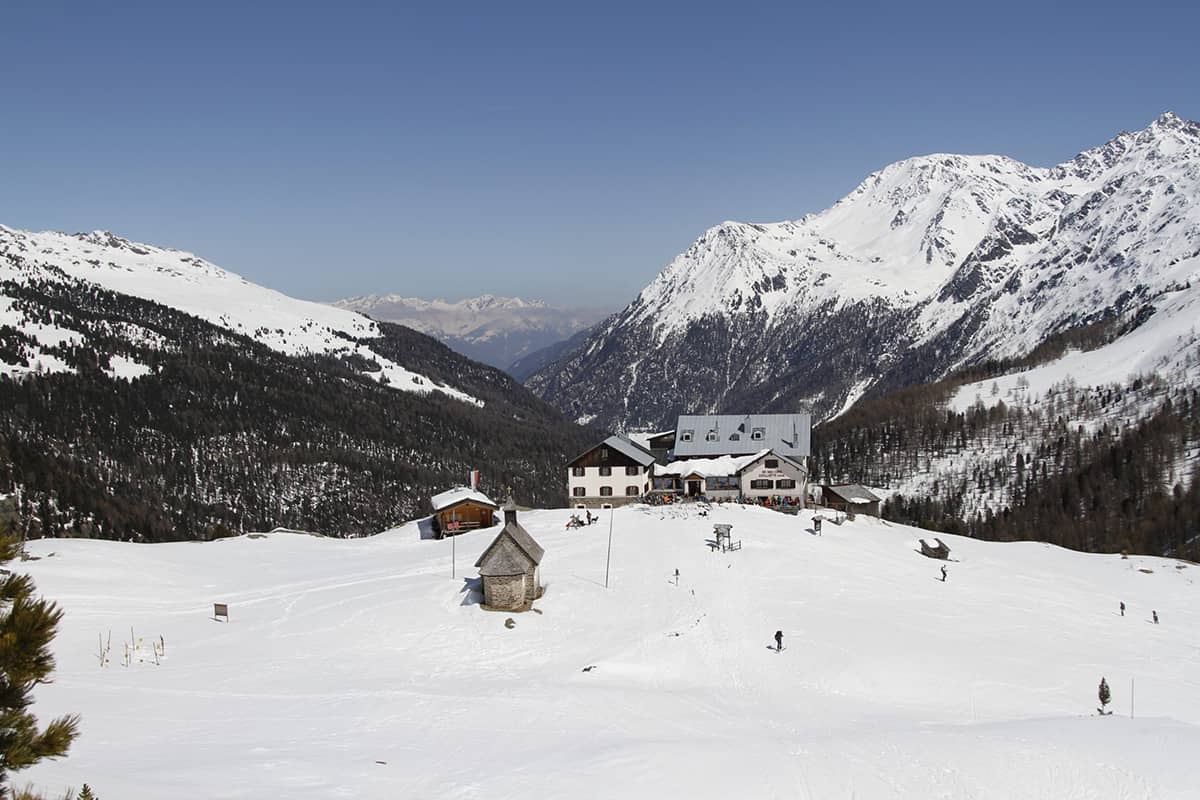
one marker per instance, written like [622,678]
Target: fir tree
[27,627]
[86,793]
[1105,697]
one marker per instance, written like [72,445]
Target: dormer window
[685,436]
[711,436]
[735,437]
[758,434]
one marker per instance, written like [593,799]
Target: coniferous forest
[1098,470]
[226,435]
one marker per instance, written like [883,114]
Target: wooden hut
[462,509]
[851,499]
[509,567]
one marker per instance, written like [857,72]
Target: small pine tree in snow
[27,627]
[1105,697]
[86,793]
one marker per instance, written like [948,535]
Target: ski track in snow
[342,653]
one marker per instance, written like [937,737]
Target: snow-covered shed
[509,566]
[462,509]
[851,498]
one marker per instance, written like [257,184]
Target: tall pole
[453,555]
[608,559]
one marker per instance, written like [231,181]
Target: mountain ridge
[497,330]
[148,394]
[930,264]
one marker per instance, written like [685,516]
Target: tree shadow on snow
[428,531]
[472,591]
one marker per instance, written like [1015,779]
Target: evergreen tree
[1105,697]
[27,626]
[86,793]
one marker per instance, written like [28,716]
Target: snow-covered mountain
[147,393]
[929,265]
[495,330]
[190,284]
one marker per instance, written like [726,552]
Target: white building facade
[614,472]
[762,476]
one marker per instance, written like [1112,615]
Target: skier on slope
[943,573]
[778,641]
[1122,608]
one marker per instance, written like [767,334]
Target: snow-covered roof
[643,438]
[709,467]
[853,493]
[457,495]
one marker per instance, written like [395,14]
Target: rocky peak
[1169,121]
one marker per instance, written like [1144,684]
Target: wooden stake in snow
[608,558]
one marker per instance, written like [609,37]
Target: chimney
[473,480]
[510,512]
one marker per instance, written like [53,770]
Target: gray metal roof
[630,448]
[787,434]
[853,493]
[622,445]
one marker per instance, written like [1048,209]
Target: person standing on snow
[778,641]
[943,573]
[1122,608]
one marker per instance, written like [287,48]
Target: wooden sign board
[221,610]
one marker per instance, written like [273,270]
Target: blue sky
[533,148]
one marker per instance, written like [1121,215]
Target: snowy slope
[910,230]
[928,265]
[362,669]
[495,330]
[1167,344]
[188,283]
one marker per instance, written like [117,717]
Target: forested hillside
[1098,469]
[164,426]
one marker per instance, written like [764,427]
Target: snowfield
[361,669]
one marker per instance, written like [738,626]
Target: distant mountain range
[495,330]
[145,392]
[931,265]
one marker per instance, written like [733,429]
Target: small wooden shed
[462,509]
[509,566]
[851,499]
